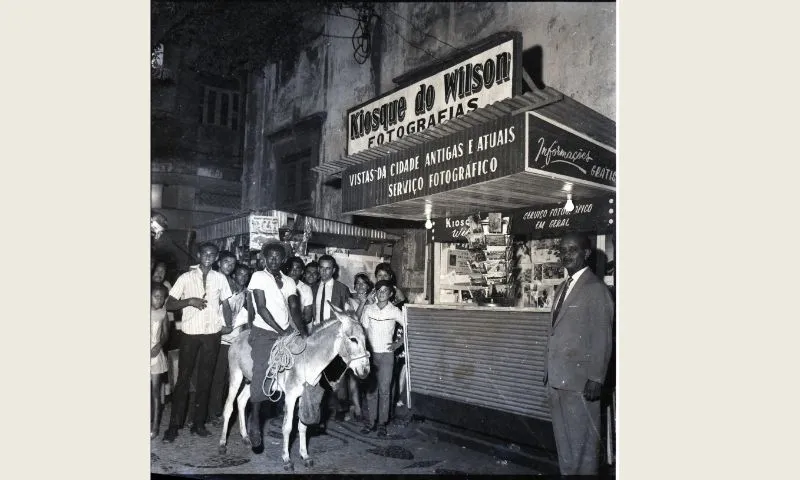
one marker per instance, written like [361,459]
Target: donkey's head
[351,343]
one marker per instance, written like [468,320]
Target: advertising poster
[350,265]
[262,228]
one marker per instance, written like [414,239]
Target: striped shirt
[189,285]
[379,324]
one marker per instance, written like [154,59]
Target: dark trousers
[577,429]
[204,350]
[379,389]
[219,385]
[261,342]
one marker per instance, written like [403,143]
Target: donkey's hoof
[246,441]
[309,462]
[288,466]
[223,449]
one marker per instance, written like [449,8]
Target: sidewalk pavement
[342,450]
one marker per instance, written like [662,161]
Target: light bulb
[569,206]
[428,224]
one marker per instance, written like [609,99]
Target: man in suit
[331,290]
[577,359]
[328,289]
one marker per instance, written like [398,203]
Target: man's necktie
[322,304]
[561,299]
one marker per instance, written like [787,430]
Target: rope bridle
[342,337]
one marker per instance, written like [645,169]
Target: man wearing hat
[277,309]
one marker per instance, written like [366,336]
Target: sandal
[367,429]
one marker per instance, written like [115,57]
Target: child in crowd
[158,362]
[238,275]
[159,275]
[379,321]
[383,271]
[295,268]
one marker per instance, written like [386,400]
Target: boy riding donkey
[277,310]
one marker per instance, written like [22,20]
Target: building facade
[197,135]
[296,113]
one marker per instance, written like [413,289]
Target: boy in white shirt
[198,293]
[379,320]
[295,268]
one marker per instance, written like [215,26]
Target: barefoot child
[158,362]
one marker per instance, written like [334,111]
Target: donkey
[342,336]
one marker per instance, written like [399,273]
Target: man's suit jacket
[339,296]
[580,340]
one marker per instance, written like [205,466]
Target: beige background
[708,370]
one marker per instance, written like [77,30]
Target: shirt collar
[195,269]
[578,274]
[282,275]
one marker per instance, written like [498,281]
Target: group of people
[220,297]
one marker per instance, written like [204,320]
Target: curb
[538,460]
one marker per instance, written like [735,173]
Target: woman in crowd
[362,286]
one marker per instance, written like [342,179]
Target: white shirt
[190,284]
[239,314]
[574,279]
[379,325]
[276,299]
[326,312]
[306,295]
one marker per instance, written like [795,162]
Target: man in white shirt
[277,312]
[199,292]
[577,359]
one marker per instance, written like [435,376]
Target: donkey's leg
[288,420]
[241,402]
[301,428]
[234,383]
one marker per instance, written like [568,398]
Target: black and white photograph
[308,316]
[495,221]
[496,240]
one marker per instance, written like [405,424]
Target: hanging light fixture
[569,206]
[428,209]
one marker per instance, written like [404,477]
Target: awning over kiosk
[323,230]
[526,150]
